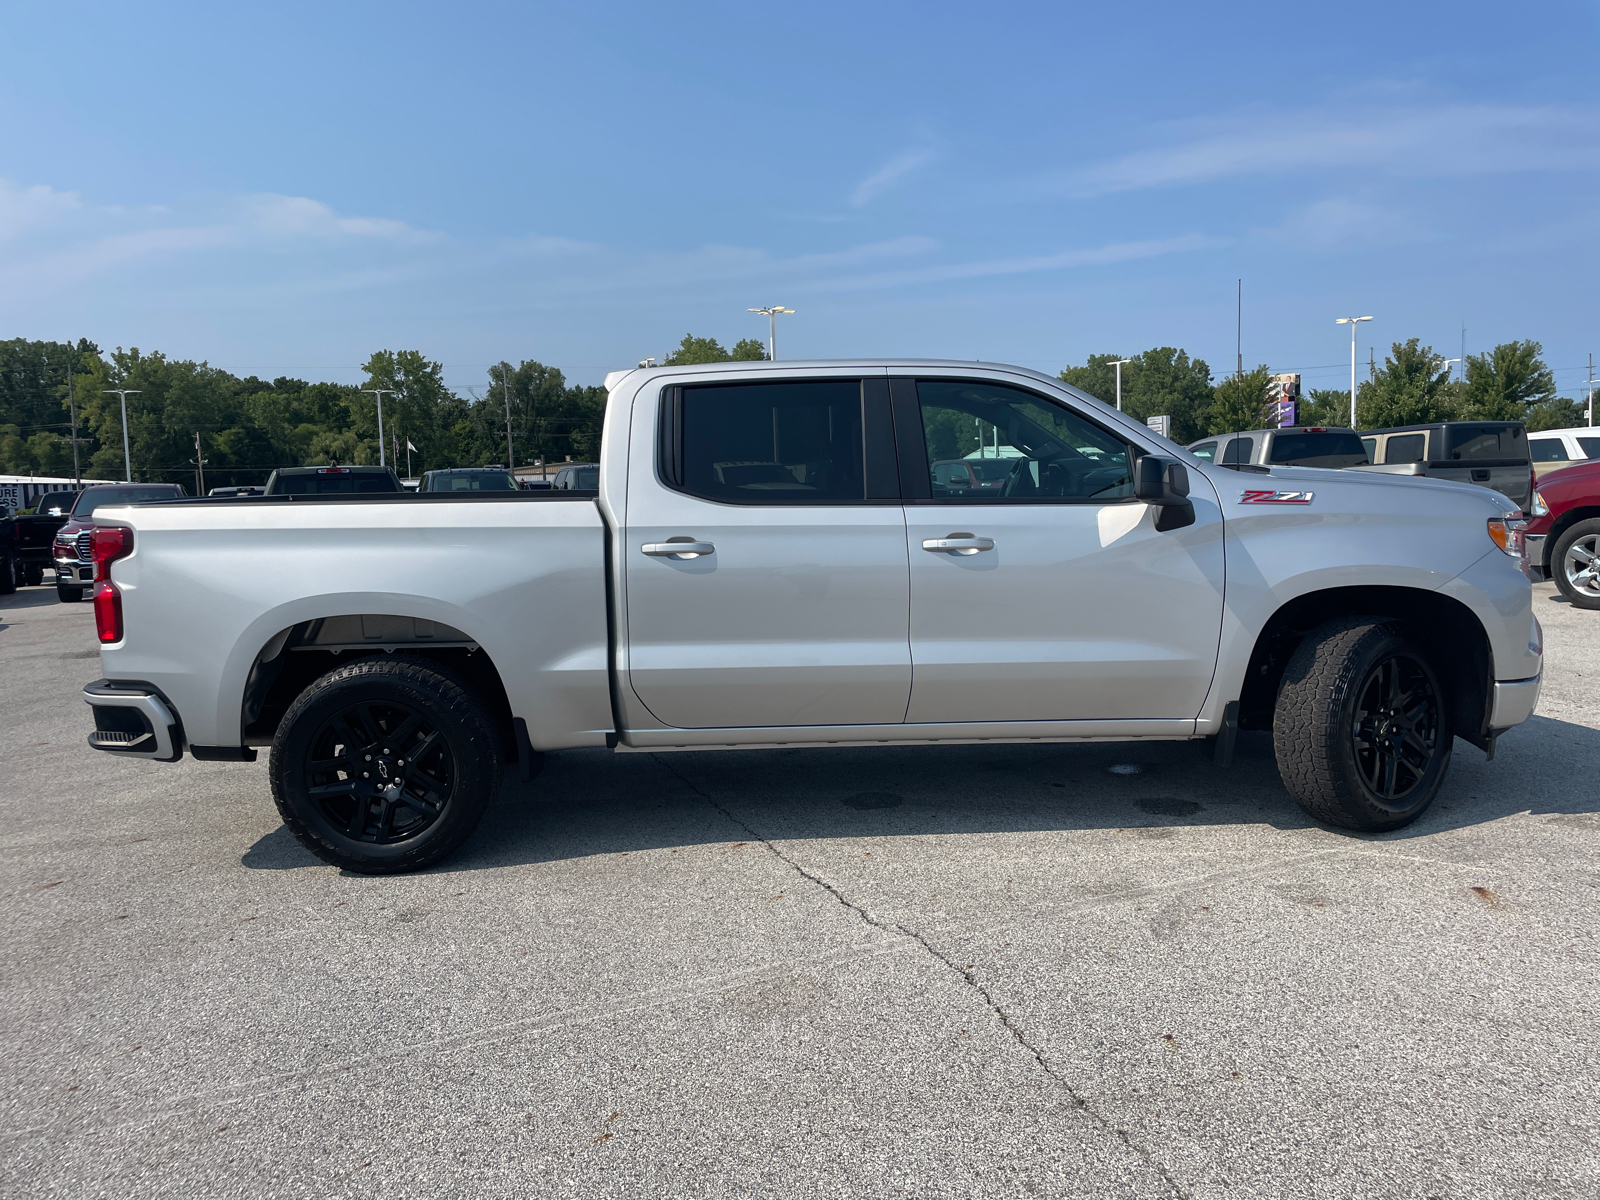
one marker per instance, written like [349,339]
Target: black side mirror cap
[1161,481]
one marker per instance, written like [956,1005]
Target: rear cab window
[1318,448]
[1543,450]
[92,498]
[1486,443]
[1590,446]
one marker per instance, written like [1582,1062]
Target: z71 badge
[1253,496]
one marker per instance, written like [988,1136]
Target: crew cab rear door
[1058,599]
[787,604]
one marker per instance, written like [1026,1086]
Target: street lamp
[380,393]
[1119,364]
[127,459]
[771,314]
[1352,322]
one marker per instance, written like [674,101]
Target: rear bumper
[1514,701]
[133,720]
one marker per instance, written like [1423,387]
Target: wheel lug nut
[399,762]
[366,774]
[369,758]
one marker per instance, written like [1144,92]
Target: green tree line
[1412,387]
[248,426]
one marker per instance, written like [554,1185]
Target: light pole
[380,393]
[505,380]
[1119,364]
[127,459]
[771,314]
[1352,322]
[1590,419]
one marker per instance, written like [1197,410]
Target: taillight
[106,545]
[108,611]
[1507,533]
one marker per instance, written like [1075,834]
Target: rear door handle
[958,543]
[678,548]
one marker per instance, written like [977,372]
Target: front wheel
[385,765]
[10,575]
[1361,730]
[1575,563]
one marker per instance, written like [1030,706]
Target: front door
[1052,597]
[788,605]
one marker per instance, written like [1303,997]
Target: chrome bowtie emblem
[383,768]
[1261,496]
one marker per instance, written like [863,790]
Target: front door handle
[681,548]
[958,543]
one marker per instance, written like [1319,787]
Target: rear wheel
[33,576]
[10,575]
[1362,733]
[1575,563]
[385,765]
[68,595]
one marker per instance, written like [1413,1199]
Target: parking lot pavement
[956,971]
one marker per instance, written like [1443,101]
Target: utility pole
[505,380]
[1372,363]
[72,403]
[1463,374]
[199,467]
[1591,392]
[1119,365]
[1353,322]
[380,393]
[127,458]
[771,313]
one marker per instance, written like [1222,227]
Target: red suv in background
[1563,534]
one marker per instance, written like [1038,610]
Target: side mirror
[1161,481]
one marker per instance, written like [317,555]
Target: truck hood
[1359,491]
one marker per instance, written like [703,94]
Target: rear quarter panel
[208,585]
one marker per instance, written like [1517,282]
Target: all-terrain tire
[385,765]
[1340,720]
[68,595]
[1578,580]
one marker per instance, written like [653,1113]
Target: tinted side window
[1590,446]
[1371,447]
[1018,446]
[1406,448]
[1547,450]
[1206,451]
[1236,452]
[782,443]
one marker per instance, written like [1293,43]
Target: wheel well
[1448,629]
[1563,523]
[296,657]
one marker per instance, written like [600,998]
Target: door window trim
[916,483]
[878,461]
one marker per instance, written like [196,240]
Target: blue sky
[285,188]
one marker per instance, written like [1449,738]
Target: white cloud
[886,176]
[300,217]
[23,209]
[1340,224]
[1448,140]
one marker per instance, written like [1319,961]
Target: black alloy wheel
[380,772]
[1396,727]
[1361,729]
[385,764]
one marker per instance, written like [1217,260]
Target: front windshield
[93,498]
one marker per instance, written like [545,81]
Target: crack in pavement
[966,977]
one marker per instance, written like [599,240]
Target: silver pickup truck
[769,560]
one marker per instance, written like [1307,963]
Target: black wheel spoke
[1395,726]
[370,744]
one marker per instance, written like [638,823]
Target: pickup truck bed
[769,560]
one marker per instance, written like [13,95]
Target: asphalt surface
[955,971]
